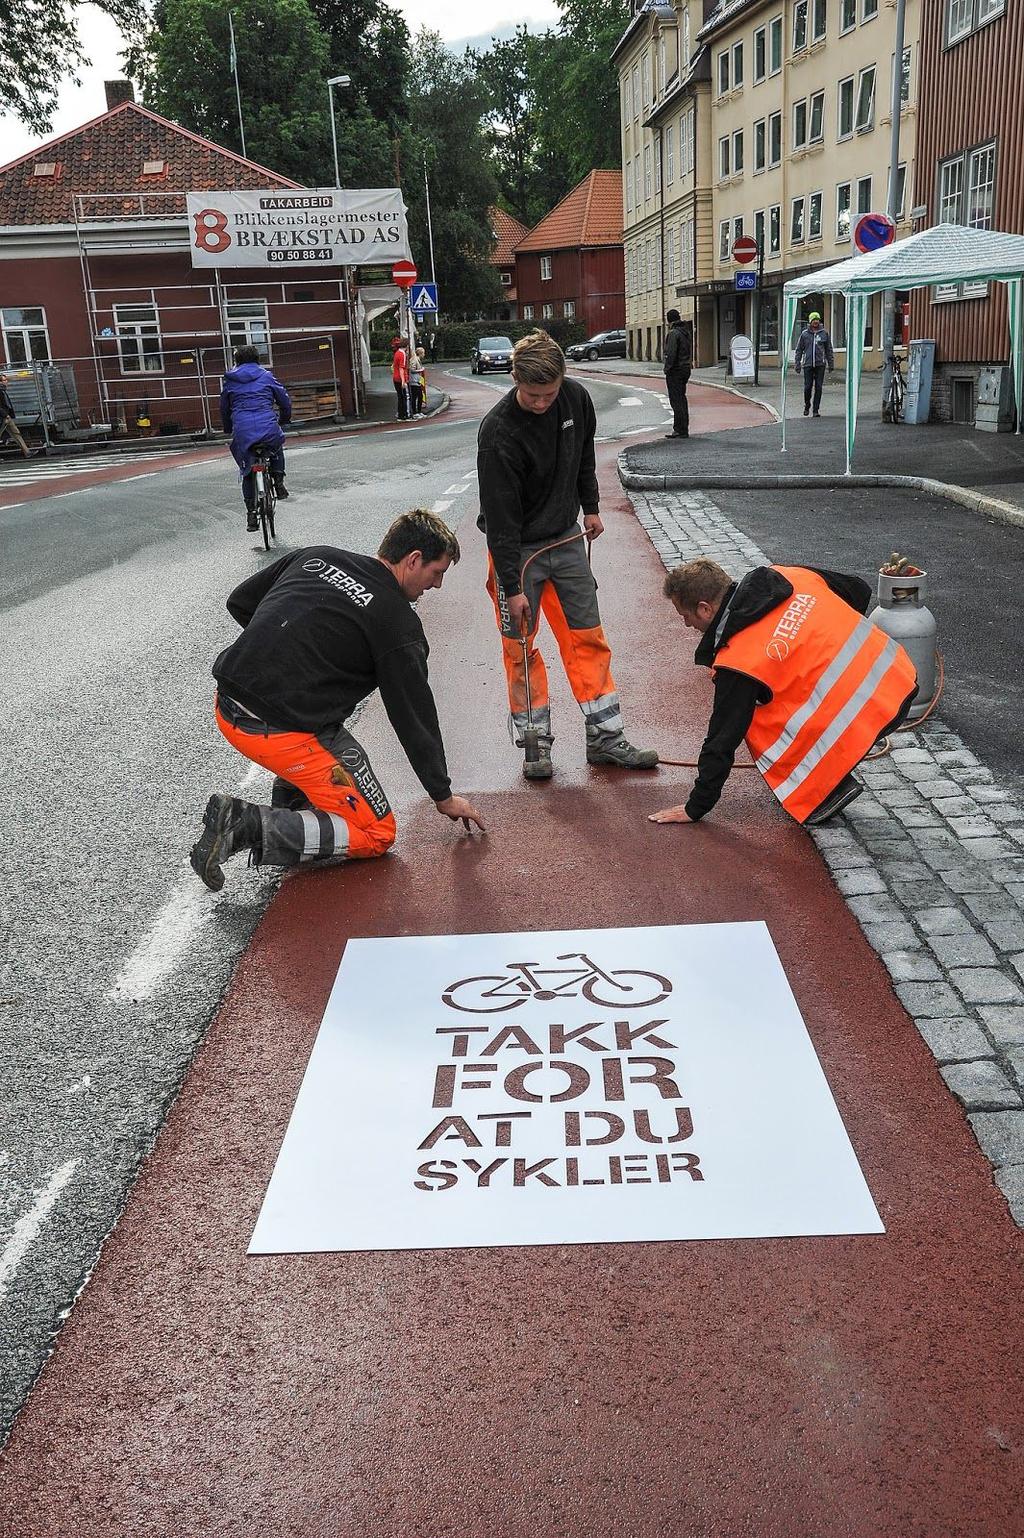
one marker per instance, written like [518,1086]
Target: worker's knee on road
[369,843]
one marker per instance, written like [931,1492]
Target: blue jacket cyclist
[254,407]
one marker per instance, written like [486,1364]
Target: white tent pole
[788,313]
[1015,307]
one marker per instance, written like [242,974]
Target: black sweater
[737,695]
[535,473]
[322,628]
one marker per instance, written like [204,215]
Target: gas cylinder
[903,614]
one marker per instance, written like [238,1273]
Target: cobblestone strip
[930,860]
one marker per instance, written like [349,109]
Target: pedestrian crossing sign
[423,300]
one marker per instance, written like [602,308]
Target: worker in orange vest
[800,675]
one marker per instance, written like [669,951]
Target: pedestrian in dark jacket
[253,407]
[678,358]
[814,352]
[8,425]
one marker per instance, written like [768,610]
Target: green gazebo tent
[947,253]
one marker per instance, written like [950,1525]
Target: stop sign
[745,249]
[404,274]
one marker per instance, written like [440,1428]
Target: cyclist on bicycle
[254,407]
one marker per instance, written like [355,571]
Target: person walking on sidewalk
[8,425]
[536,469]
[321,629]
[800,675]
[814,353]
[254,408]
[400,377]
[678,359]
[417,381]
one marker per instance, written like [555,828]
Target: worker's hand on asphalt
[592,525]
[519,614]
[670,814]
[458,808]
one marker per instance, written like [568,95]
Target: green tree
[517,72]
[282,71]
[40,48]
[446,104]
[581,122]
[369,42]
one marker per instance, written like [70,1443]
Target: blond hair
[537,359]
[697,582]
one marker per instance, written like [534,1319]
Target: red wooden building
[96,278]
[508,232]
[571,265]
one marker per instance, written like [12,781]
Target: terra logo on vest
[789,625]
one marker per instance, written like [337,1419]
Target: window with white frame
[527,311]
[769,318]
[547,312]
[686,38]
[657,162]
[723,241]
[759,227]
[137,329]
[248,325]
[814,216]
[838,329]
[869,10]
[981,185]
[760,144]
[843,203]
[686,143]
[775,139]
[645,75]
[671,255]
[760,54]
[845,124]
[799,125]
[662,64]
[775,229]
[796,222]
[904,76]
[775,45]
[847,16]
[816,118]
[901,189]
[864,195]
[737,152]
[866,100]
[545,269]
[568,309]
[723,72]
[636,184]
[627,104]
[636,91]
[686,268]
[737,65]
[723,157]
[647,170]
[670,154]
[629,186]
[986,9]
[819,20]
[26,339]
[800,26]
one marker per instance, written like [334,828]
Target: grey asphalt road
[114,956]
[975,571]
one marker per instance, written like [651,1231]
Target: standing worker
[254,407]
[678,361]
[8,425]
[814,352]
[536,469]
[400,377]
[321,629]
[799,674]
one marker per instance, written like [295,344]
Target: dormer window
[47,168]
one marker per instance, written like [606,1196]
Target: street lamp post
[353,336]
[342,80]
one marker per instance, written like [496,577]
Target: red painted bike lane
[797,1388]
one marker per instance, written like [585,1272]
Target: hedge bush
[456,340]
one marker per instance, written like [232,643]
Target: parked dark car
[606,344]
[492,352]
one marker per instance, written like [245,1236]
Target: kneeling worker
[322,629]
[799,674]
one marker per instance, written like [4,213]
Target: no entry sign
[745,249]
[562,1088]
[873,231]
[404,274]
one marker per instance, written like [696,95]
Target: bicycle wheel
[897,397]
[261,504]
[474,1002]
[271,504]
[639,983]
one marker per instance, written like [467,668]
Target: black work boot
[538,766]
[280,489]
[229,825]
[613,748]
[846,791]
[252,523]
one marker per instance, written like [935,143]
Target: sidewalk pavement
[851,1386]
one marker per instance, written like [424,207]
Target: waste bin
[994,412]
[918,401]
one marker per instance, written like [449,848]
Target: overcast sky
[460,22]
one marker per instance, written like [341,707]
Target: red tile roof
[108,154]
[590,215]
[508,232]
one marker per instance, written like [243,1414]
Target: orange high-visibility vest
[836,682]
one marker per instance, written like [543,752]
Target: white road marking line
[630,400]
[28,1226]
[454,491]
[441,507]
[8,505]
[147,477]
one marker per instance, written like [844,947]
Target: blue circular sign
[874,231]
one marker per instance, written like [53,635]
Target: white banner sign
[280,228]
[589,1086]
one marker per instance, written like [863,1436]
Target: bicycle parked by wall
[897,390]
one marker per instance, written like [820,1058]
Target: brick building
[570,266]
[96,277]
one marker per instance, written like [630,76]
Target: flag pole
[238,94]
